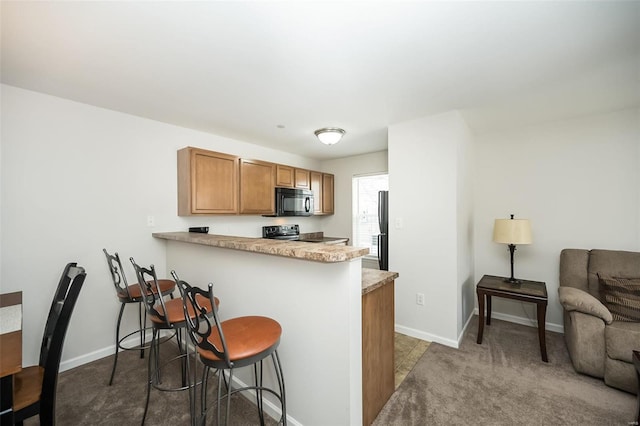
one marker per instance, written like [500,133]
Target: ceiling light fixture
[329,135]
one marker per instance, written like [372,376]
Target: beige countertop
[326,240]
[327,253]
[318,237]
[374,278]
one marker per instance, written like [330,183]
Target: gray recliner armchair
[598,345]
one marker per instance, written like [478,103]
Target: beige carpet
[503,382]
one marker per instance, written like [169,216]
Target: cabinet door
[207,182]
[302,178]
[327,193]
[284,176]
[378,317]
[257,187]
[316,187]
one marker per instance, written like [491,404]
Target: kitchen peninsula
[315,291]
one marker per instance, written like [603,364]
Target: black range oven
[281,232]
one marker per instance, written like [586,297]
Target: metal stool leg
[228,413]
[153,355]
[280,376]
[193,377]
[257,372]
[115,358]
[143,323]
[203,395]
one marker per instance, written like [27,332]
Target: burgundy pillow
[621,296]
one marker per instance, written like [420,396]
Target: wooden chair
[129,294]
[35,387]
[164,315]
[231,344]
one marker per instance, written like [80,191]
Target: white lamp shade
[512,231]
[329,135]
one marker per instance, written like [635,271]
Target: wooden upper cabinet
[207,182]
[257,187]
[284,176]
[327,194]
[316,188]
[301,178]
[322,186]
[215,183]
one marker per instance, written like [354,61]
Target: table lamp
[512,231]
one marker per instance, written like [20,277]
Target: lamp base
[512,280]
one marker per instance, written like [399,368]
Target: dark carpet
[85,398]
[503,382]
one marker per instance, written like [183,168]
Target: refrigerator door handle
[379,250]
[379,214]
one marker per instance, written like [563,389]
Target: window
[365,210]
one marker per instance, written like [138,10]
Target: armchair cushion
[574,299]
[621,296]
[621,339]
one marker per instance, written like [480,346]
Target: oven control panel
[280,231]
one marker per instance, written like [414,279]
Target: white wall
[466,283]
[1,198]
[576,180]
[77,178]
[638,186]
[427,181]
[344,169]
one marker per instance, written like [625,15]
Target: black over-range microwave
[294,202]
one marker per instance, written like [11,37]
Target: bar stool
[128,294]
[227,345]
[165,315]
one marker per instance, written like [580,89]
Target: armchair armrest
[574,299]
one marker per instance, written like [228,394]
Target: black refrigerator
[383,237]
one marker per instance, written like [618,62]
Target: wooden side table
[525,291]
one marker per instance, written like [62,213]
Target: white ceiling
[240,69]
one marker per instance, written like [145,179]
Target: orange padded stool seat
[227,345]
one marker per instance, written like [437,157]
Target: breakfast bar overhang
[313,290]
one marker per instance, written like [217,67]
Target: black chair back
[150,290]
[117,274]
[201,325]
[55,331]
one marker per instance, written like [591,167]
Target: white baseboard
[86,358]
[549,326]
[422,335]
[96,355]
[466,325]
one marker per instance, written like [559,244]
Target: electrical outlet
[419,299]
[151,221]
